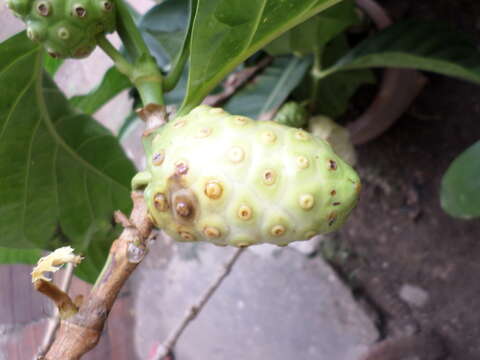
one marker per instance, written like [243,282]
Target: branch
[166,348]
[236,81]
[80,333]
[426,346]
[54,321]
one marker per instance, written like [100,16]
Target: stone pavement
[275,304]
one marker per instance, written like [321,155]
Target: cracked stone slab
[274,305]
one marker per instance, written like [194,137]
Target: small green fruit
[230,180]
[67,28]
[292,114]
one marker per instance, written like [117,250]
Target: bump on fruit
[66,28]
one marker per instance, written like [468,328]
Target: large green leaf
[226,32]
[271,88]
[460,194]
[314,33]
[417,45]
[112,84]
[19,256]
[61,174]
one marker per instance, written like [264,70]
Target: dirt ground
[418,267]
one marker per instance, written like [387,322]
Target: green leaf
[52,65]
[226,32]
[460,193]
[61,173]
[316,32]
[112,84]
[271,88]
[417,45]
[165,27]
[334,92]
[19,256]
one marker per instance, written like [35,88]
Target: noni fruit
[230,180]
[67,28]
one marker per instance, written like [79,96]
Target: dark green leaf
[460,194]
[334,92]
[271,88]
[418,45]
[19,256]
[61,174]
[315,32]
[112,84]
[226,32]
[165,27]
[52,65]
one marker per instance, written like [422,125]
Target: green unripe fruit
[230,180]
[66,28]
[292,114]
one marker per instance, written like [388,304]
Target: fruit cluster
[67,28]
[230,180]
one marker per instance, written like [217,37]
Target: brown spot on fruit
[358,188]
[187,236]
[332,218]
[336,203]
[278,230]
[333,192]
[244,212]
[182,208]
[160,201]
[332,164]
[53,54]
[211,232]
[181,167]
[213,189]
[269,177]
[107,5]
[43,8]
[82,52]
[158,158]
[80,11]
[182,200]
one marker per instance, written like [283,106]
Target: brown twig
[80,333]
[426,346]
[163,350]
[398,89]
[236,81]
[54,321]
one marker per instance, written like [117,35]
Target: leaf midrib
[45,116]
